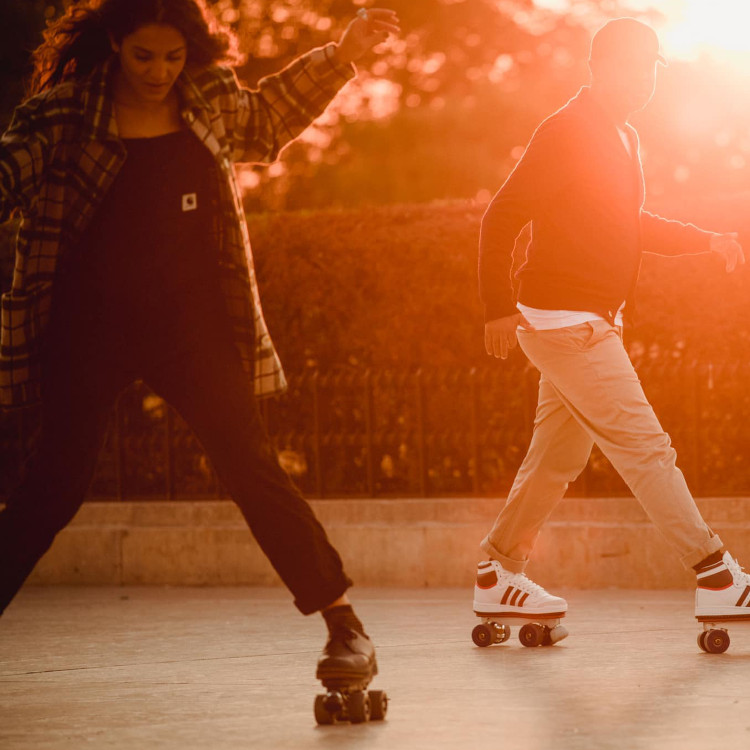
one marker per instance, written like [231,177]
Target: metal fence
[416,433]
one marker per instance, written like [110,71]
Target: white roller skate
[716,608]
[502,599]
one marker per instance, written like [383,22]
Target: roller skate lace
[527,585]
[341,633]
[737,571]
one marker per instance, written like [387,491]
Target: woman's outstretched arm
[261,122]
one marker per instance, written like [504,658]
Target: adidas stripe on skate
[513,593]
[744,600]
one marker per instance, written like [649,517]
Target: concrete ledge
[588,543]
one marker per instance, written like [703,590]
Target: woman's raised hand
[371,27]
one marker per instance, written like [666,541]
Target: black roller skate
[346,667]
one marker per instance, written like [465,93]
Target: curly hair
[80,39]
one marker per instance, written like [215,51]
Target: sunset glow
[687,28]
[715,27]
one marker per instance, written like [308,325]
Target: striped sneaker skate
[718,606]
[504,599]
[500,592]
[732,600]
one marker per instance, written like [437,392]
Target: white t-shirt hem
[549,320]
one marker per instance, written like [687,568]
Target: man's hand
[370,27]
[500,335]
[729,248]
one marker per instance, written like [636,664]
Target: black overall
[139,297]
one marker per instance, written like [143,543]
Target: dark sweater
[583,194]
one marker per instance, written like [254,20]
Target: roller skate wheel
[334,702]
[533,634]
[378,704]
[359,707]
[715,641]
[482,635]
[322,714]
[500,633]
[702,640]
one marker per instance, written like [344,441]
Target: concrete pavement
[223,668]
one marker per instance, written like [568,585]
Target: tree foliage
[445,110]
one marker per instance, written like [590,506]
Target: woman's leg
[214,394]
[79,387]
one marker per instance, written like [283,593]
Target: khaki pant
[589,393]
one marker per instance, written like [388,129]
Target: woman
[133,261]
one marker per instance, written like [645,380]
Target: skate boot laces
[524,583]
[521,581]
[342,633]
[737,571]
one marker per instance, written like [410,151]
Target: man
[580,184]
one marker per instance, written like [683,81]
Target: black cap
[627,39]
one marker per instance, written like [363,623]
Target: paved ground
[143,668]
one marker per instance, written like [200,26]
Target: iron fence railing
[417,433]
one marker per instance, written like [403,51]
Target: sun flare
[687,28]
[693,27]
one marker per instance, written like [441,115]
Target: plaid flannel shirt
[62,152]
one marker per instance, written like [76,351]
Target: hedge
[396,286]
[393,290]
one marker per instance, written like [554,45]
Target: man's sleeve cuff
[493,311]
